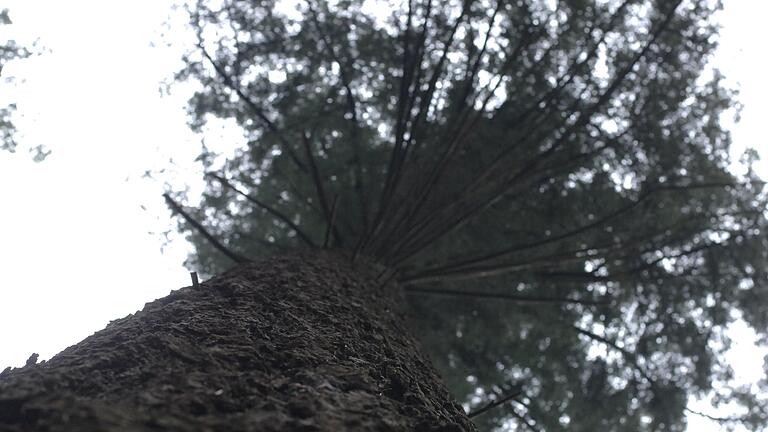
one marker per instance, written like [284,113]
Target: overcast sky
[80,233]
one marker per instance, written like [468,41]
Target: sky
[77,247]
[81,233]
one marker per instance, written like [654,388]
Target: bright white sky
[76,247]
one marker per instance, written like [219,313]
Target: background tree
[10,50]
[564,158]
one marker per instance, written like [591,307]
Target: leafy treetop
[562,157]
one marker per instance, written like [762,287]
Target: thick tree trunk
[296,343]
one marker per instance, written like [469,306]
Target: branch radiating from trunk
[425,237]
[254,107]
[513,297]
[271,210]
[176,207]
[494,404]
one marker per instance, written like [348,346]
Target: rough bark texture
[296,343]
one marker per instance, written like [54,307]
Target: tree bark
[295,343]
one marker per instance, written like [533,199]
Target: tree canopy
[548,180]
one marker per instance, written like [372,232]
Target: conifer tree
[548,181]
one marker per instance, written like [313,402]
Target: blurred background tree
[10,51]
[548,180]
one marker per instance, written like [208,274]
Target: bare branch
[472,71]
[478,271]
[491,170]
[513,297]
[276,213]
[567,77]
[713,418]
[515,393]
[331,222]
[199,227]
[316,178]
[229,82]
[456,135]
[522,418]
[425,99]
[352,103]
[628,355]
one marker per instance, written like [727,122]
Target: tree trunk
[296,343]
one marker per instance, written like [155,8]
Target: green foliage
[503,147]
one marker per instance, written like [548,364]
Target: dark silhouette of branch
[199,227]
[515,393]
[567,77]
[513,297]
[713,418]
[628,355]
[229,82]
[476,272]
[276,213]
[483,271]
[479,269]
[488,258]
[315,172]
[525,421]
[491,171]
[456,135]
[411,207]
[472,70]
[631,357]
[331,222]
[462,131]
[401,120]
[412,94]
[292,188]
[328,41]
[352,109]
[402,101]
[425,98]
